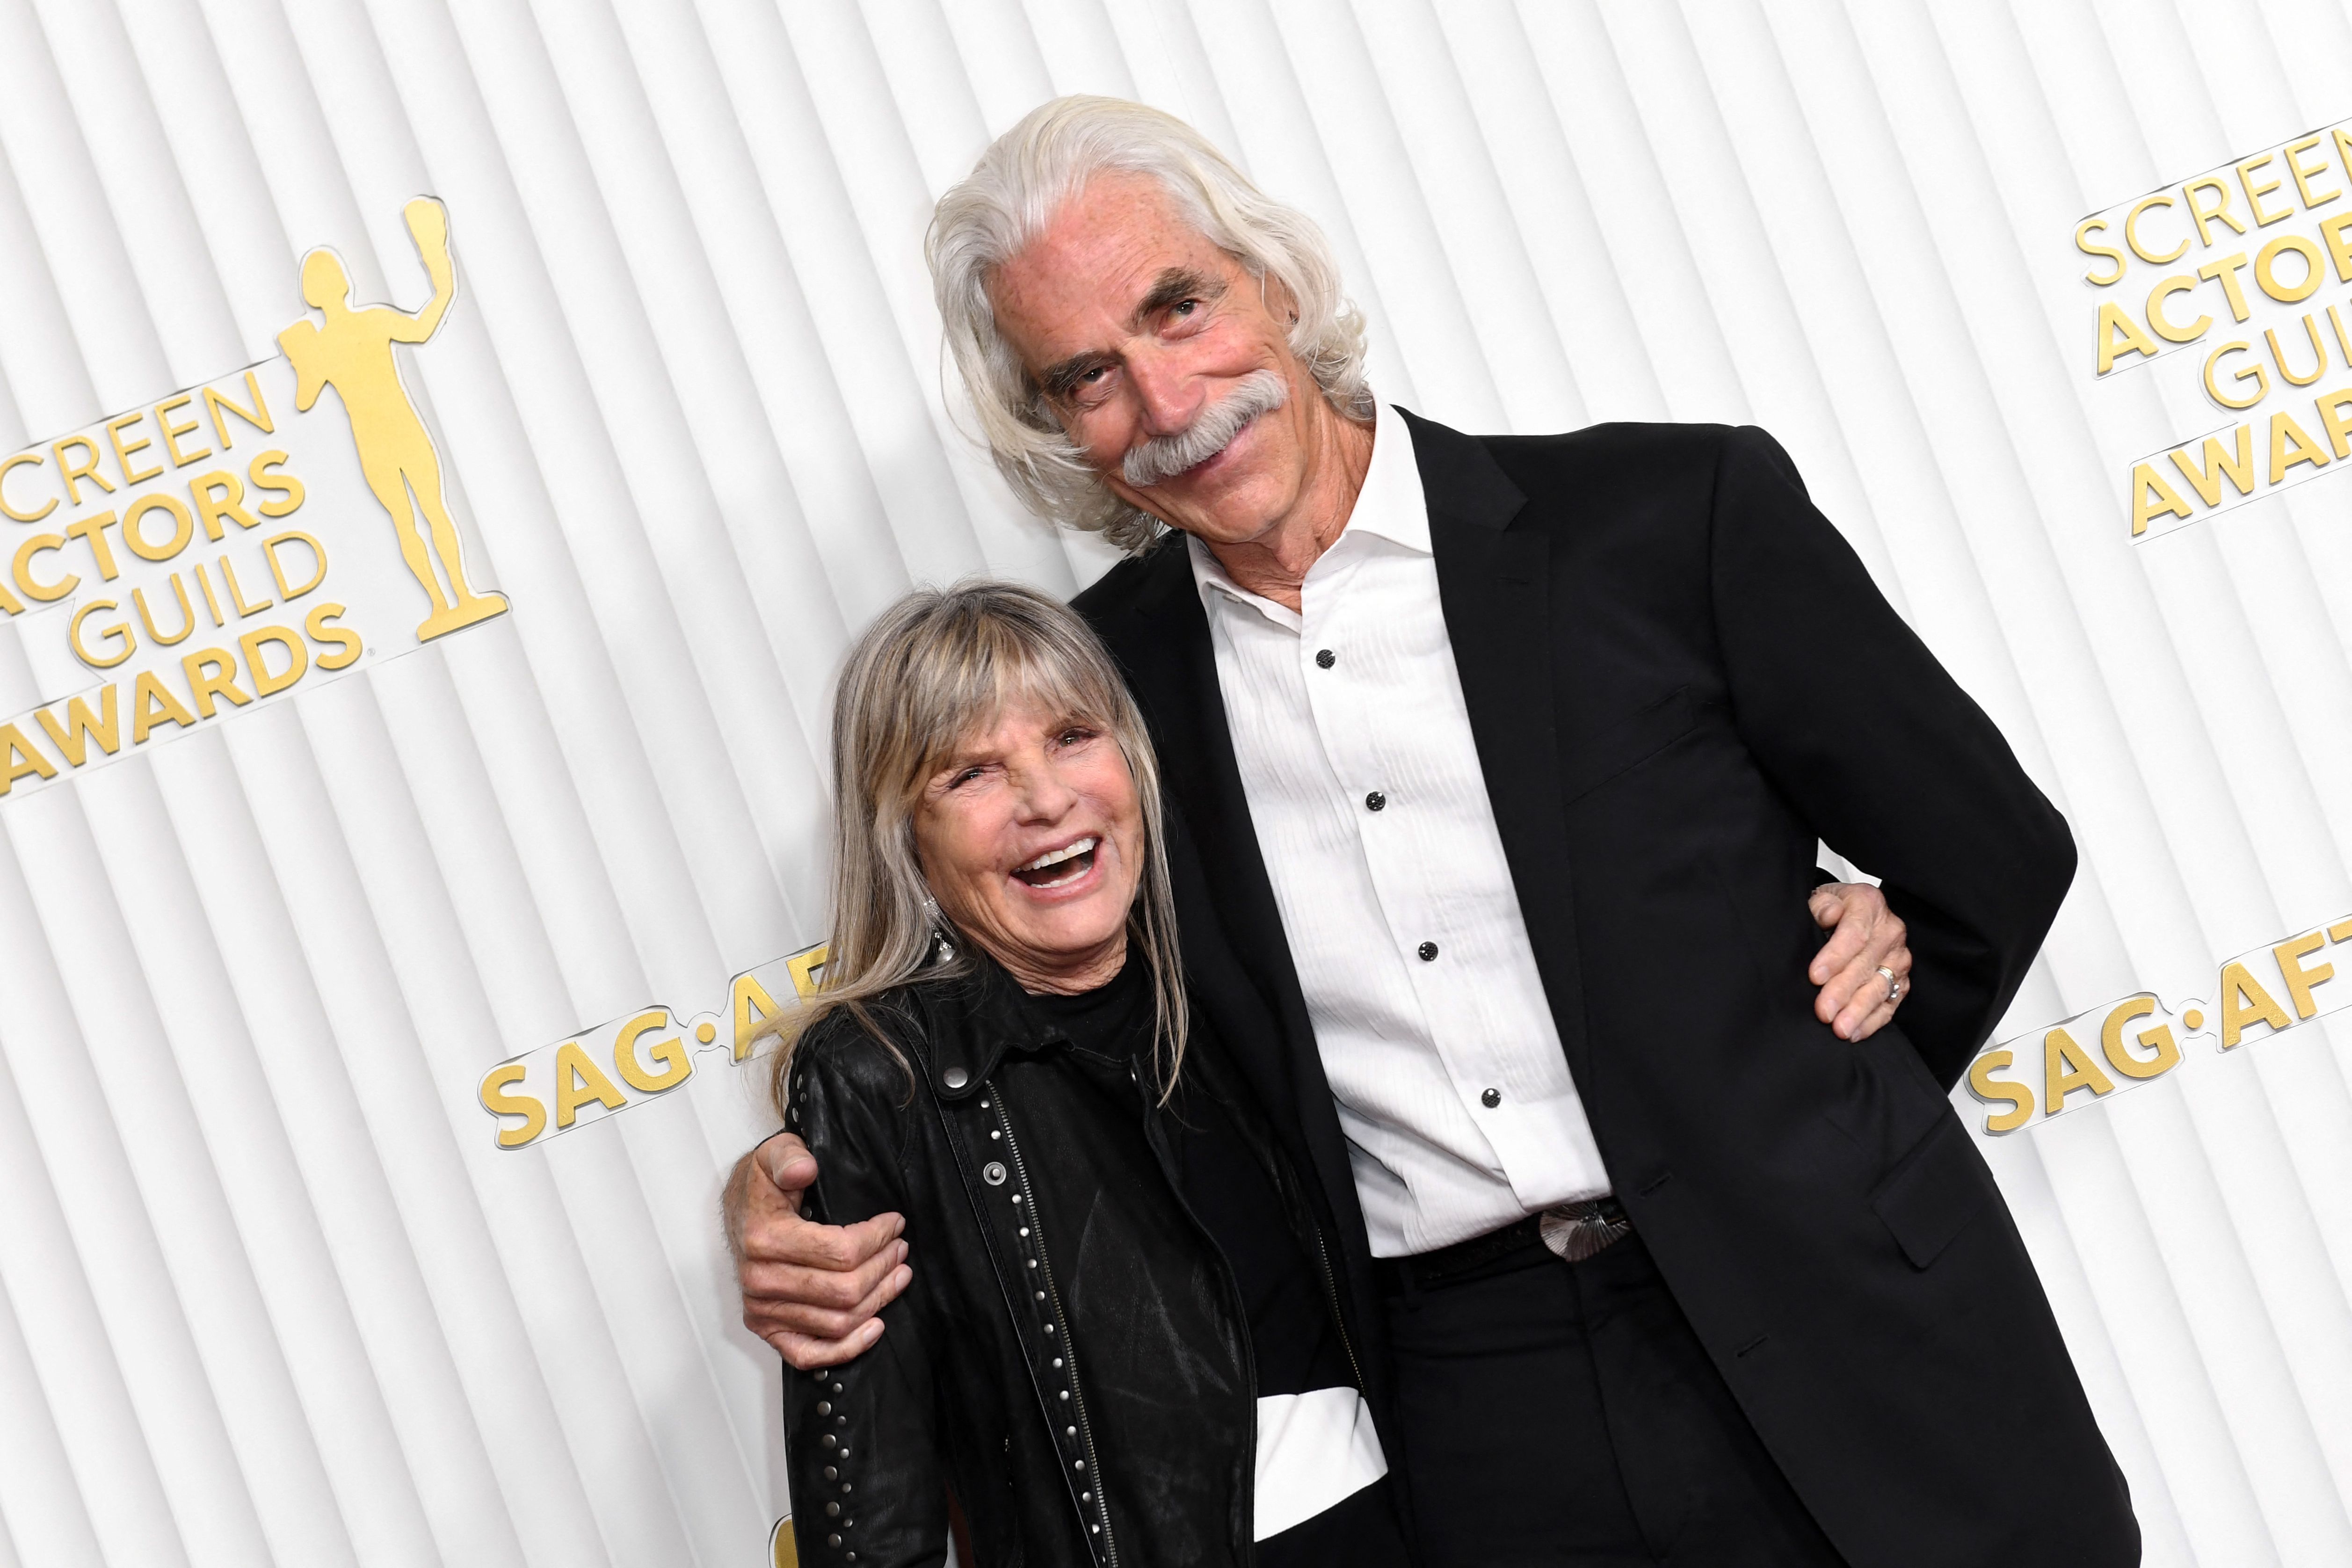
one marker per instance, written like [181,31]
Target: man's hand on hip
[814,1291]
[1865,945]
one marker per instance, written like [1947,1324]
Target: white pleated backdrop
[271,1294]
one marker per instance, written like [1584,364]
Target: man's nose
[1169,394]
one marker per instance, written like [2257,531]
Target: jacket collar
[971,1020]
[1460,480]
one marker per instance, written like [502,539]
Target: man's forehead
[1104,253]
[1121,209]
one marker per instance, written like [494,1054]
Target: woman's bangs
[995,671]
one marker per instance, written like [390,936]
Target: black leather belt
[1521,1242]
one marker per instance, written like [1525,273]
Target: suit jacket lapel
[1171,667]
[1178,689]
[1494,584]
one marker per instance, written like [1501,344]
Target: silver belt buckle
[1578,1230]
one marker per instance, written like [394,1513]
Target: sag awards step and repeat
[457,578]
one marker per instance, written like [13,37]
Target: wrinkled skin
[1036,784]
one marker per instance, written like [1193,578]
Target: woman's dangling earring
[942,945]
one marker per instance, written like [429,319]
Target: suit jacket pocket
[1628,743]
[1933,1190]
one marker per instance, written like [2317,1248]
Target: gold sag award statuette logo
[352,351]
[154,578]
[645,1050]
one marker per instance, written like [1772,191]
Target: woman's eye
[965,777]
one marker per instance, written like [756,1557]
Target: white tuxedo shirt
[1363,781]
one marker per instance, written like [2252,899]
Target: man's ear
[1280,302]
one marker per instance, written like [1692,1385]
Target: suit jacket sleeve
[870,1423]
[1881,752]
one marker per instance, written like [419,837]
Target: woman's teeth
[1056,866]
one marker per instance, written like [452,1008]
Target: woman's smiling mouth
[1058,868]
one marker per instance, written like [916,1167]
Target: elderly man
[1501,762]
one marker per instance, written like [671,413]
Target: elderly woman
[1126,1344]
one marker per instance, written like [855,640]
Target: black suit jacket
[1679,675]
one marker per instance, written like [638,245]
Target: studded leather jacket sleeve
[868,1489]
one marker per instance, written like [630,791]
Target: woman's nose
[1042,797]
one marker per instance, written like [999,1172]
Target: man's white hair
[1008,199]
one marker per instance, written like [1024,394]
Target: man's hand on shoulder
[1866,937]
[814,1291]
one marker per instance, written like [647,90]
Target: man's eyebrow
[1174,287]
[1058,380]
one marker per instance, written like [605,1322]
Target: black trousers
[1557,1414]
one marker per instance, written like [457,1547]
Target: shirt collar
[1390,507]
[1391,504]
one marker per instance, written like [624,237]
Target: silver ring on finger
[1894,985]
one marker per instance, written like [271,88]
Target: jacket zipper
[1339,1318]
[1069,1350]
[1330,1283]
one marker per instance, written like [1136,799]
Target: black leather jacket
[1072,1360]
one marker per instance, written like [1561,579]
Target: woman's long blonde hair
[933,669]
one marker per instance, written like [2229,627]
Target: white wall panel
[269,1290]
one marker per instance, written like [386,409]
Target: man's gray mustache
[1165,456]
